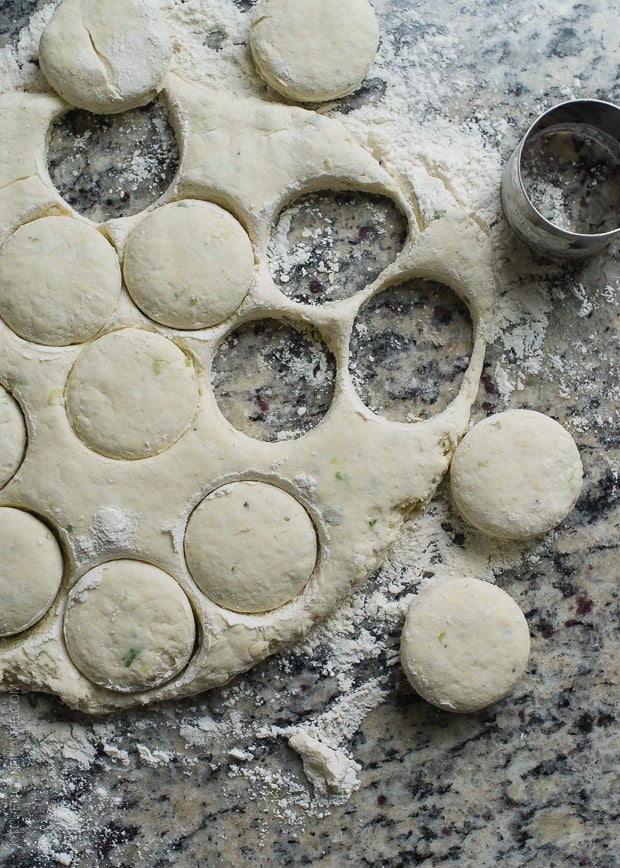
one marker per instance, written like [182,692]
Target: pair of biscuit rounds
[466,643]
[109,56]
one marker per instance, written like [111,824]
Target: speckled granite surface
[532,781]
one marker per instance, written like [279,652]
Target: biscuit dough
[60,280]
[189,264]
[131,394]
[250,547]
[31,568]
[465,644]
[516,474]
[12,436]
[142,391]
[313,50]
[129,626]
[106,56]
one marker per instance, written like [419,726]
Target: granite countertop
[529,781]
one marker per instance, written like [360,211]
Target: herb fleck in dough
[516,474]
[106,56]
[313,50]
[465,644]
[129,626]
[189,264]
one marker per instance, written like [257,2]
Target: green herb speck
[441,636]
[234,568]
[69,528]
[372,522]
[497,425]
[193,301]
[159,365]
[439,214]
[131,655]
[341,476]
[188,362]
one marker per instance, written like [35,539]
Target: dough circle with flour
[465,644]
[12,436]
[189,264]
[60,280]
[129,626]
[131,394]
[250,547]
[106,56]
[313,50]
[31,568]
[516,475]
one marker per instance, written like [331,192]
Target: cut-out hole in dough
[189,264]
[108,166]
[410,347]
[250,547]
[129,626]
[31,568]
[131,394]
[273,381]
[13,437]
[327,246]
[60,280]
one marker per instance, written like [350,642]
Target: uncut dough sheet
[356,475]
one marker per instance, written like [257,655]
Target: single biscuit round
[313,50]
[189,264]
[106,56]
[250,547]
[31,568]
[12,436]
[465,644]
[129,626]
[131,394]
[60,280]
[516,475]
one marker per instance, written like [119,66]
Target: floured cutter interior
[118,467]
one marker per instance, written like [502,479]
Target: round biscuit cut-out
[129,626]
[12,436]
[60,280]
[313,50]
[131,394]
[189,264]
[465,644]
[250,547]
[516,475]
[106,56]
[31,568]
